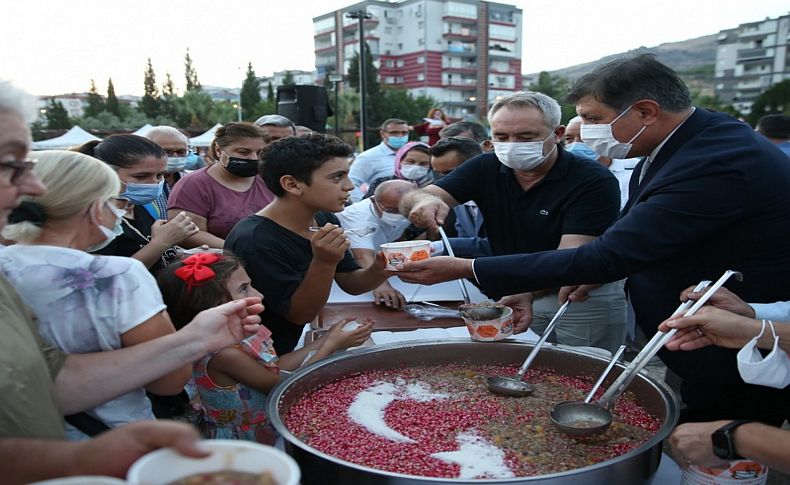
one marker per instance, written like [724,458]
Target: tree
[288,79]
[167,102]
[150,102]
[270,93]
[250,95]
[371,74]
[57,116]
[95,101]
[191,74]
[112,101]
[774,101]
[194,110]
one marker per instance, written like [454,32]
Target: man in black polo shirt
[534,196]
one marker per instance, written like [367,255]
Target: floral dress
[238,412]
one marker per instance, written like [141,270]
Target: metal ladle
[507,386]
[583,419]
[581,413]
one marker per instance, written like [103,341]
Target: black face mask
[242,167]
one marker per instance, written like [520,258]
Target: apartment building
[463,53]
[751,58]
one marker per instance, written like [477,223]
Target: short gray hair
[166,130]
[15,100]
[275,120]
[574,120]
[392,121]
[521,99]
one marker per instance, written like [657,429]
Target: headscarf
[401,154]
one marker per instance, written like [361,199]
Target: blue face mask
[141,194]
[397,141]
[581,150]
[192,161]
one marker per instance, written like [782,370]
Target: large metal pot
[636,467]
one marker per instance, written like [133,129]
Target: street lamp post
[337,79]
[238,109]
[361,16]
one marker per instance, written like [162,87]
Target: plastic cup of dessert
[83,480]
[163,466]
[491,330]
[403,251]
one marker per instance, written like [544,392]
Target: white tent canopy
[143,130]
[206,138]
[76,136]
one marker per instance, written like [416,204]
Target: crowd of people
[136,285]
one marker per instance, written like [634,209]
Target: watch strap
[722,440]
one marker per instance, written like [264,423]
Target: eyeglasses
[397,133]
[18,168]
[181,152]
[121,203]
[384,209]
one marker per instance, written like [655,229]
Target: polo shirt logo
[544,212]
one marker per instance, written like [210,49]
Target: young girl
[233,383]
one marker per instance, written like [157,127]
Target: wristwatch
[723,443]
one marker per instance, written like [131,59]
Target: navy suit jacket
[716,197]
[471,241]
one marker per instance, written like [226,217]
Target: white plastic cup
[491,330]
[740,472]
[167,465]
[403,251]
[82,480]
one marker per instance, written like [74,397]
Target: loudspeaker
[304,105]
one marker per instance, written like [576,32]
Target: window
[389,80]
[421,24]
[399,79]
[390,63]
[400,63]
[421,60]
[421,41]
[387,30]
[420,76]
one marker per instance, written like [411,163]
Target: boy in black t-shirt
[291,265]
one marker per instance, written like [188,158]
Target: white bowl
[403,251]
[491,330]
[83,480]
[166,465]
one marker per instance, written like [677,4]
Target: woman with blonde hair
[84,302]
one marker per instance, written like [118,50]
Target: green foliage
[167,102]
[95,101]
[195,110]
[270,93]
[371,74]
[250,94]
[57,116]
[288,79]
[112,100]
[150,102]
[774,101]
[191,74]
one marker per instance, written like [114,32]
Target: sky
[57,46]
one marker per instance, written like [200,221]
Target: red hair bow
[196,270]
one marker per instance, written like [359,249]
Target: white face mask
[413,172]
[771,371]
[176,164]
[603,142]
[522,155]
[109,234]
[393,219]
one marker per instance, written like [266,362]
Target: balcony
[469,35]
[461,49]
[755,84]
[322,49]
[463,83]
[460,69]
[760,31]
[745,54]
[493,52]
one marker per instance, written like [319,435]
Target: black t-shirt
[136,235]
[577,196]
[277,260]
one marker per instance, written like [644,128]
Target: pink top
[222,207]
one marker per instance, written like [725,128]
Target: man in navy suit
[711,195]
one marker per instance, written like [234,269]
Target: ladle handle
[659,339]
[605,372]
[546,333]
[449,250]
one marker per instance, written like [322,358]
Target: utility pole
[337,79]
[361,16]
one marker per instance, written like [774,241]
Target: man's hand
[113,452]
[430,211]
[575,293]
[388,296]
[522,310]
[226,324]
[435,270]
[723,298]
[329,244]
[690,443]
[710,326]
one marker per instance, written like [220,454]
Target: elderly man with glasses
[379,161]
